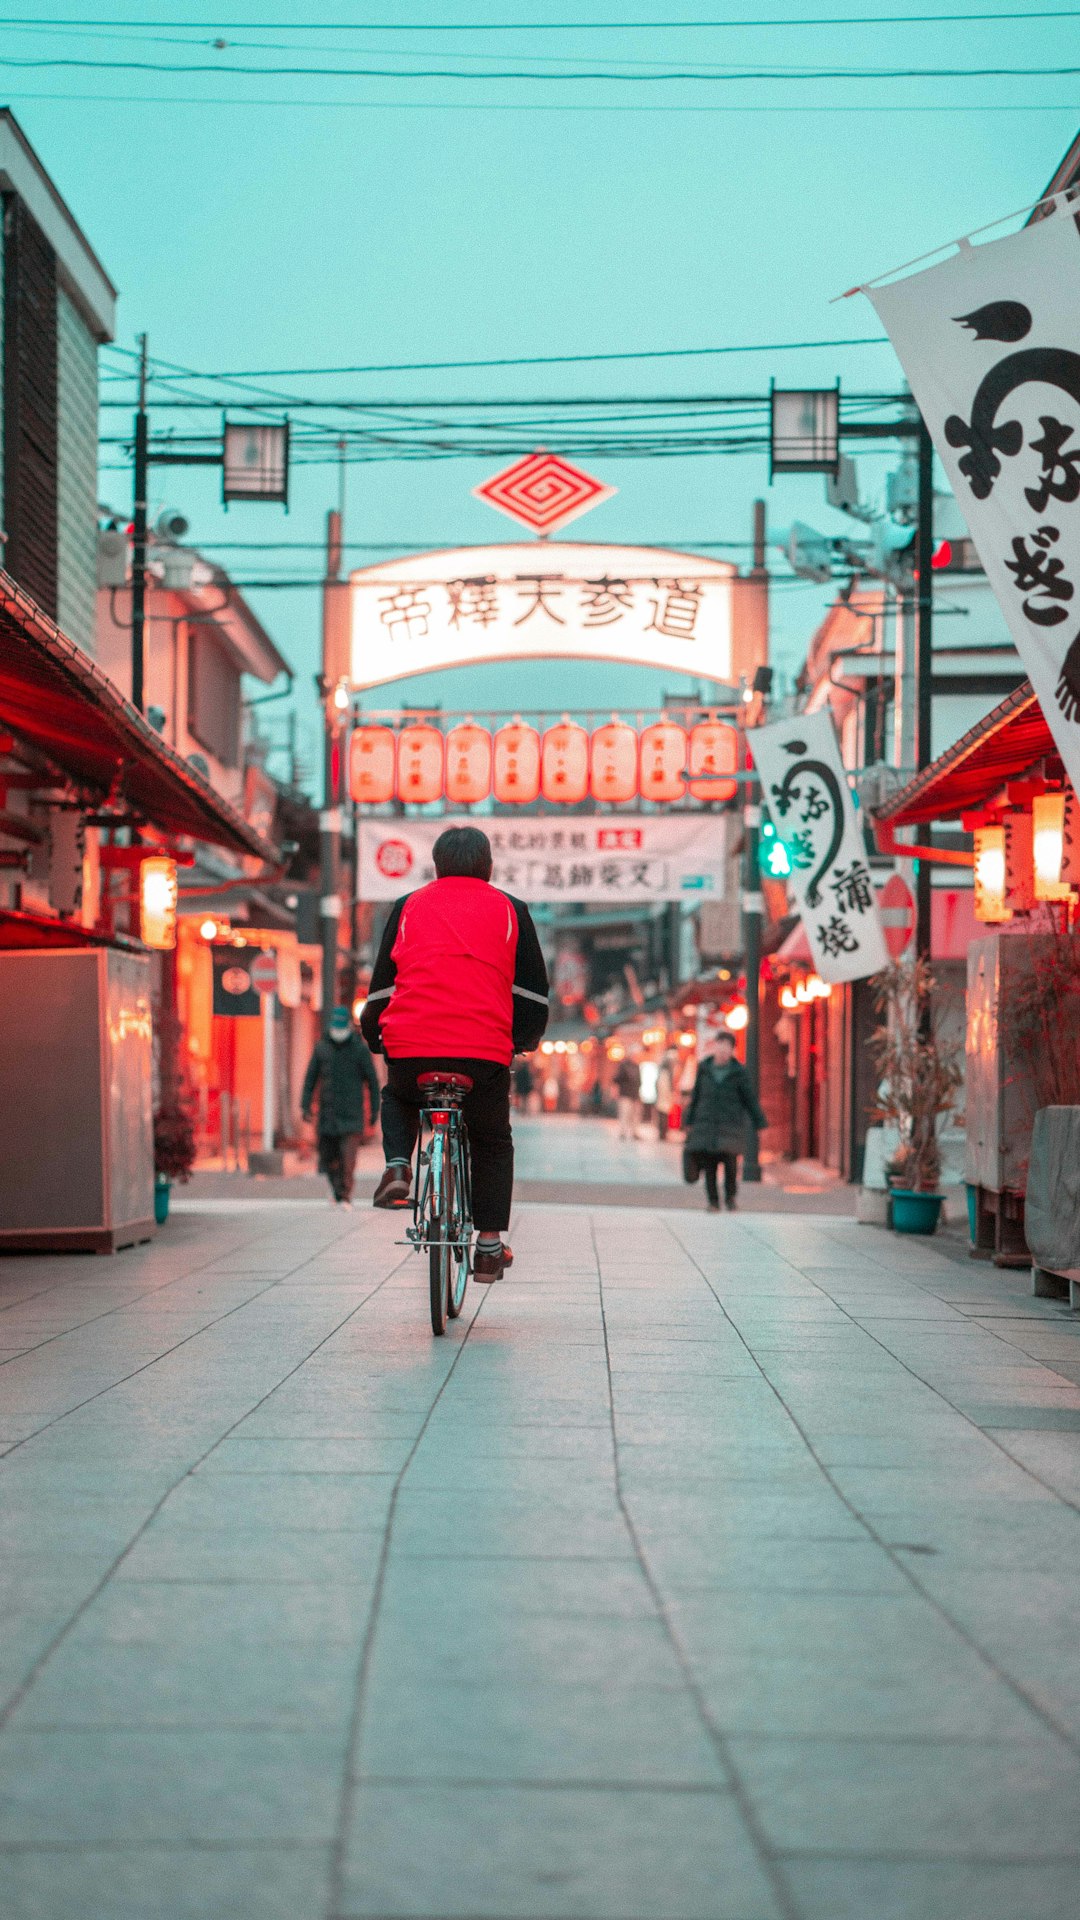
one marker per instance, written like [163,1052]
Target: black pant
[710,1162]
[487,1116]
[337,1159]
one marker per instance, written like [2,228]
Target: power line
[279,104]
[787,74]
[519,360]
[557,26]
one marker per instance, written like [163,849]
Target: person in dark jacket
[340,1068]
[459,985]
[720,1106]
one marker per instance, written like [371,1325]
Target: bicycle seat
[448,1082]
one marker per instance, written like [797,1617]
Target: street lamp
[804,430]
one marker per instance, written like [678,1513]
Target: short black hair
[725,1033]
[463,852]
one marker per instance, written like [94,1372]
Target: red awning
[54,699]
[1004,744]
[22,930]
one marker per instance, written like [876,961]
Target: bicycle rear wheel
[462,1229]
[439,1222]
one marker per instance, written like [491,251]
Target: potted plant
[174,1152]
[920,1077]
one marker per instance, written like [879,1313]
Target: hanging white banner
[619,858]
[570,600]
[987,342]
[805,788]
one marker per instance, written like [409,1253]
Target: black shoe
[491,1265]
[730,1204]
[713,1206]
[394,1187]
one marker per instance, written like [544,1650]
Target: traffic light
[774,858]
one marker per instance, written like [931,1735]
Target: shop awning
[55,700]
[37,930]
[1004,744]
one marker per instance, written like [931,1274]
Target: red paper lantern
[714,753]
[613,762]
[564,763]
[468,764]
[663,761]
[516,764]
[420,765]
[371,765]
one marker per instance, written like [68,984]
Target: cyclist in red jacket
[459,986]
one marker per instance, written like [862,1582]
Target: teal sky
[296,222]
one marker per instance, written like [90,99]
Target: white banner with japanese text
[571,600]
[625,859]
[804,786]
[989,343]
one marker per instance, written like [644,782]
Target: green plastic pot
[915,1212]
[162,1190]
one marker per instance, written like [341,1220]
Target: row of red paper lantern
[566,763]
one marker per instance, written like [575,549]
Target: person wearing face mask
[340,1068]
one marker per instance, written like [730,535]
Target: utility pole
[333,686]
[753,908]
[138,543]
[924,660]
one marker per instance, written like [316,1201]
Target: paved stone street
[711,1569]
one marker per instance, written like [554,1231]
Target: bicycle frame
[442,1200]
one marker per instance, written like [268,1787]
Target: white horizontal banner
[805,788]
[625,859]
[988,343]
[571,600]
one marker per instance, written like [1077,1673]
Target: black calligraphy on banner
[810,789]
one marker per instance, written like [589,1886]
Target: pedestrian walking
[523,1085]
[627,1096]
[720,1106]
[665,1093]
[340,1068]
[648,1078]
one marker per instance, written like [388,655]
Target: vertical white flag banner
[805,788]
[990,343]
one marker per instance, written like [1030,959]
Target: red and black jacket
[459,976]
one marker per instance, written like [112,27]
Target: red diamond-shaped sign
[543,492]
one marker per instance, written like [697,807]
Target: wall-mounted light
[990,875]
[157,902]
[737,1018]
[1048,846]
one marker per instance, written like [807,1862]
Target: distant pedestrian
[720,1106]
[627,1096]
[665,1093]
[648,1077]
[340,1068]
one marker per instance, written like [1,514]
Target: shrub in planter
[174,1141]
[920,1077]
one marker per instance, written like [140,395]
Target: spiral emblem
[543,492]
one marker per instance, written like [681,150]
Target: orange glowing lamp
[714,757]
[663,761]
[157,902]
[372,751]
[516,765]
[564,764]
[420,765]
[468,764]
[613,762]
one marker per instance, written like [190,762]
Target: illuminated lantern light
[737,1019]
[788,1001]
[420,765]
[468,764]
[372,751]
[564,764]
[714,755]
[613,762]
[516,765]
[157,903]
[662,773]
[1048,846]
[990,875]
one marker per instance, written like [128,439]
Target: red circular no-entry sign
[263,972]
[897,908]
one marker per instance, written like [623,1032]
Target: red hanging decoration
[420,765]
[371,765]
[663,761]
[714,753]
[468,764]
[516,764]
[613,762]
[564,765]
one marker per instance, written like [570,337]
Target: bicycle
[442,1193]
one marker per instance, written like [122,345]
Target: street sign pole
[924,660]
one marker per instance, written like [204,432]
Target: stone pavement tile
[1054,1456]
[175,1883]
[516,1853]
[551,1649]
[242,1453]
[242,1554]
[278,1501]
[206,1784]
[458,1443]
[873,1490]
[460,1520]
[1047,1415]
[475,1588]
[163,1612]
[889,1696]
[766,1564]
[1013,1800]
[203,1683]
[526,1731]
[933,1889]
